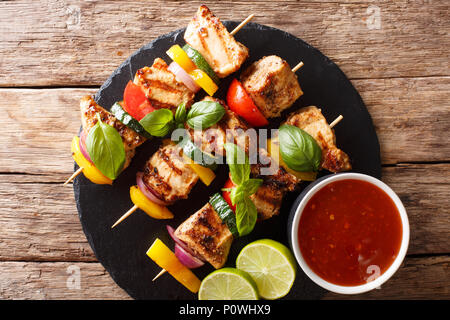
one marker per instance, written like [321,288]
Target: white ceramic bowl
[293,226]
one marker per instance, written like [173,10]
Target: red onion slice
[183,76]
[186,258]
[148,192]
[83,148]
[171,232]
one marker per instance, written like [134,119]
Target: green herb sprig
[201,115]
[298,149]
[246,213]
[105,147]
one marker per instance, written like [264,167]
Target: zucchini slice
[128,120]
[201,63]
[194,153]
[225,213]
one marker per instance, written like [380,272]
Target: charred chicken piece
[168,175]
[272,85]
[131,140]
[161,87]
[206,34]
[229,129]
[276,183]
[311,120]
[207,235]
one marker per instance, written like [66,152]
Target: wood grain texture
[411,117]
[39,221]
[418,278]
[78,43]
[57,280]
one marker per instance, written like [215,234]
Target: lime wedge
[271,265]
[228,284]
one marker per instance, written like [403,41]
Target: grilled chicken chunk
[206,235]
[206,34]
[229,129]
[276,183]
[131,140]
[268,200]
[167,174]
[161,86]
[268,170]
[272,85]
[313,122]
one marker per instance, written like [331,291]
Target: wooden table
[53,52]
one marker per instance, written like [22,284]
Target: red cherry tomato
[226,194]
[240,102]
[135,101]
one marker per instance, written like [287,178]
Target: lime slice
[271,265]
[228,284]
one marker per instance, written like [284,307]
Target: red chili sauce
[350,232]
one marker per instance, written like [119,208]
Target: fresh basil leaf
[204,114]
[251,186]
[246,215]
[237,194]
[244,190]
[238,163]
[180,114]
[158,123]
[298,149]
[105,147]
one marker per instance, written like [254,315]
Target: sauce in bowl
[350,232]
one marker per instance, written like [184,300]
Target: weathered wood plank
[411,118]
[418,278]
[39,219]
[82,42]
[423,190]
[57,280]
[38,126]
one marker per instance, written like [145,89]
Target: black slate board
[122,250]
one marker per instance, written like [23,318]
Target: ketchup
[350,232]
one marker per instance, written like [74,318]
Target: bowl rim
[376,283]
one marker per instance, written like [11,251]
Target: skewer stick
[159,274]
[128,213]
[74,175]
[243,23]
[336,121]
[298,66]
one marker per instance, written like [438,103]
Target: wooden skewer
[243,23]
[159,274]
[336,121]
[298,66]
[74,175]
[128,213]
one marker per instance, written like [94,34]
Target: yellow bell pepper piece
[273,148]
[89,170]
[204,81]
[167,260]
[152,209]
[177,54]
[205,174]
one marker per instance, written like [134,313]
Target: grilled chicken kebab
[165,87]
